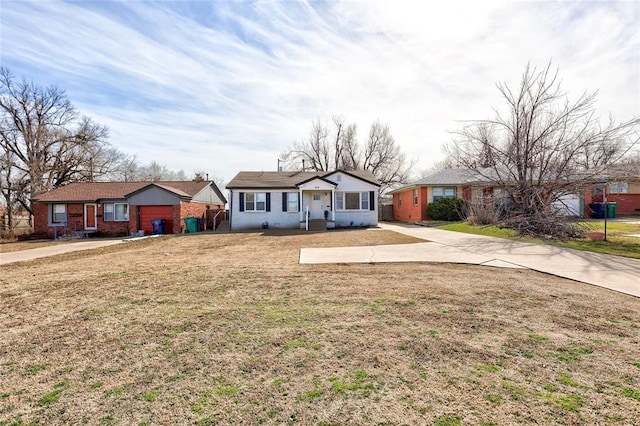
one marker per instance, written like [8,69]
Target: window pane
[249,201]
[261,201]
[122,212]
[59,212]
[450,192]
[107,214]
[438,191]
[352,200]
[292,201]
[365,201]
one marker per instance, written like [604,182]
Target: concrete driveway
[52,250]
[613,272]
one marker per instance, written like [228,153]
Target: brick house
[121,208]
[410,202]
[624,192]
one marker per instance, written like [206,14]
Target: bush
[449,209]
[479,214]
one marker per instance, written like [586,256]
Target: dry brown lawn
[219,329]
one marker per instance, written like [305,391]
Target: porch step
[317,225]
[223,226]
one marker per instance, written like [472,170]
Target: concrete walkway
[613,272]
[20,256]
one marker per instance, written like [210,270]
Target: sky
[225,86]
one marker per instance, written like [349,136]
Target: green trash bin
[611,210]
[191,223]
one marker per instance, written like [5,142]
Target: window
[477,195]
[364,201]
[59,213]
[415,196]
[443,192]
[619,187]
[316,197]
[118,212]
[292,201]
[399,199]
[352,201]
[255,201]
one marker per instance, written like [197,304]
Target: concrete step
[223,226]
[317,225]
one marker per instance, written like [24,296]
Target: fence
[20,225]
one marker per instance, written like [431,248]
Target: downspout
[230,208]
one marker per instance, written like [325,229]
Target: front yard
[218,329]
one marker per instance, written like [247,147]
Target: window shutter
[372,200]
[241,195]
[299,206]
[268,201]
[284,201]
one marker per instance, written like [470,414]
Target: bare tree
[337,147]
[50,145]
[542,149]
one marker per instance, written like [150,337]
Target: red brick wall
[626,203]
[112,229]
[75,221]
[408,211]
[41,220]
[189,209]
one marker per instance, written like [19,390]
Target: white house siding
[346,218]
[355,217]
[275,218]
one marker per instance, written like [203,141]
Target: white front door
[316,210]
[90,217]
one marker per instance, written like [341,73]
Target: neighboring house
[410,202]
[121,208]
[625,193]
[284,199]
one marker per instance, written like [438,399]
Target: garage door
[148,213]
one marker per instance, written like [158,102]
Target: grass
[618,242]
[229,328]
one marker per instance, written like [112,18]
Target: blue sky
[224,86]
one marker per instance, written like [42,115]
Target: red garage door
[148,213]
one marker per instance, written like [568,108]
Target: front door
[317,206]
[90,221]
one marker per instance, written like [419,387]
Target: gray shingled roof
[288,179]
[458,176]
[93,191]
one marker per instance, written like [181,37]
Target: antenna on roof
[303,164]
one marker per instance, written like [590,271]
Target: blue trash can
[598,210]
[158,226]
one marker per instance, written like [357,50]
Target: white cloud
[226,86]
